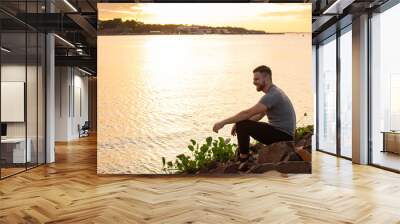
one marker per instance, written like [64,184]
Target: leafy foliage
[304,131]
[217,150]
[301,132]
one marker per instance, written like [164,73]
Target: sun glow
[270,17]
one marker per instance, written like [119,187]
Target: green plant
[303,131]
[301,119]
[218,150]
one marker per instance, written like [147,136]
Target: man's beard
[260,87]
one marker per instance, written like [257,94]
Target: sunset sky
[269,17]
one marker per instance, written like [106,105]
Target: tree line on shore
[118,26]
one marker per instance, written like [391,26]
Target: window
[385,88]
[327,95]
[22,89]
[346,92]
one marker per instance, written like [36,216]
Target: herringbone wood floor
[69,191]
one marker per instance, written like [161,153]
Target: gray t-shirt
[280,111]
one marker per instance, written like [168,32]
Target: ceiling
[332,15]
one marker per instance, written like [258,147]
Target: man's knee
[242,125]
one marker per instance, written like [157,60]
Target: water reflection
[157,92]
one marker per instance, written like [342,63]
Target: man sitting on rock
[275,104]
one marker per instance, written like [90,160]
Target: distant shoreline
[132,27]
[171,34]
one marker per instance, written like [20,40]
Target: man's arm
[257,117]
[241,116]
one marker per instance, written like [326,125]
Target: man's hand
[233,131]
[241,116]
[218,126]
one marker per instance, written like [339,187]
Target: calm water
[155,93]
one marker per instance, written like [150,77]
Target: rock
[262,168]
[243,167]
[231,168]
[218,170]
[305,142]
[293,156]
[210,166]
[275,152]
[304,154]
[256,147]
[294,167]
[283,157]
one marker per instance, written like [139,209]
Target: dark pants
[260,131]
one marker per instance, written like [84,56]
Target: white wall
[12,73]
[33,127]
[71,94]
[13,101]
[81,84]
[62,81]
